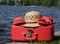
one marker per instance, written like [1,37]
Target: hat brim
[31,25]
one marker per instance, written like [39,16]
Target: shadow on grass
[56,37]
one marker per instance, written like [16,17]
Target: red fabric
[46,20]
[18,20]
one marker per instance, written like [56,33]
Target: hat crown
[32,16]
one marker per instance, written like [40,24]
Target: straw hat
[31,18]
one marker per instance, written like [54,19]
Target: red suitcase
[41,33]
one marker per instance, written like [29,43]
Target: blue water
[8,13]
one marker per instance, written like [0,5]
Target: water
[8,13]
